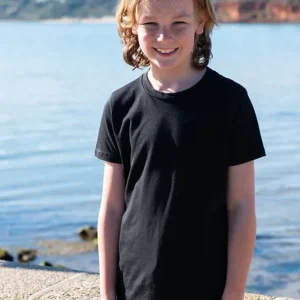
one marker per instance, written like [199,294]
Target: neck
[172,81]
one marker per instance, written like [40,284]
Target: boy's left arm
[242,228]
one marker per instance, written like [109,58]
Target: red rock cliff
[256,11]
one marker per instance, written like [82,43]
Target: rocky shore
[65,20]
[253,11]
[227,11]
[87,242]
[257,11]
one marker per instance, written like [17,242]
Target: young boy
[177,217]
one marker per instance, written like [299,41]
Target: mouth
[166,51]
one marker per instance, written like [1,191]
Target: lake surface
[54,81]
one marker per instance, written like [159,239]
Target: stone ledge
[32,282]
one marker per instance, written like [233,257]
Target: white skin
[169,24]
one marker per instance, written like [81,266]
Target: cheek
[189,41]
[184,33]
[185,36]
[145,38]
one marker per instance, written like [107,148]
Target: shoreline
[66,20]
[48,283]
[112,20]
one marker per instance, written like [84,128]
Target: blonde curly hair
[132,53]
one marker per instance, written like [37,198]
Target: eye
[149,23]
[179,23]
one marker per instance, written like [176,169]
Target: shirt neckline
[176,95]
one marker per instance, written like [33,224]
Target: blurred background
[61,59]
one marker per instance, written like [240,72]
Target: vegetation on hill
[54,9]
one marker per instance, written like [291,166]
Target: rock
[48,264]
[88,233]
[257,11]
[64,248]
[26,255]
[58,266]
[45,263]
[4,255]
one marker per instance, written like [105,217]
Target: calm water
[54,80]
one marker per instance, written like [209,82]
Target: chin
[166,66]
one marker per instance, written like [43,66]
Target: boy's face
[166,32]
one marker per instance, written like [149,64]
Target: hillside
[227,10]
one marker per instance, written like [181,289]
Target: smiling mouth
[166,51]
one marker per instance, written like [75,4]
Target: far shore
[102,20]
[67,20]
[112,20]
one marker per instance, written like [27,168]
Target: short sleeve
[107,145]
[245,140]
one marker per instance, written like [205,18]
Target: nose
[164,34]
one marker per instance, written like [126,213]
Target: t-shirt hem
[107,157]
[247,159]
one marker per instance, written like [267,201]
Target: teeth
[165,50]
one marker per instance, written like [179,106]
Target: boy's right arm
[109,222]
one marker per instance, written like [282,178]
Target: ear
[134,29]
[199,29]
[201,24]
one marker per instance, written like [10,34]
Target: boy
[177,216]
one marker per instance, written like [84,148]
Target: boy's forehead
[165,7]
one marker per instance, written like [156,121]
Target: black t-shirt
[176,149]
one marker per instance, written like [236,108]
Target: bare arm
[109,220]
[242,228]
